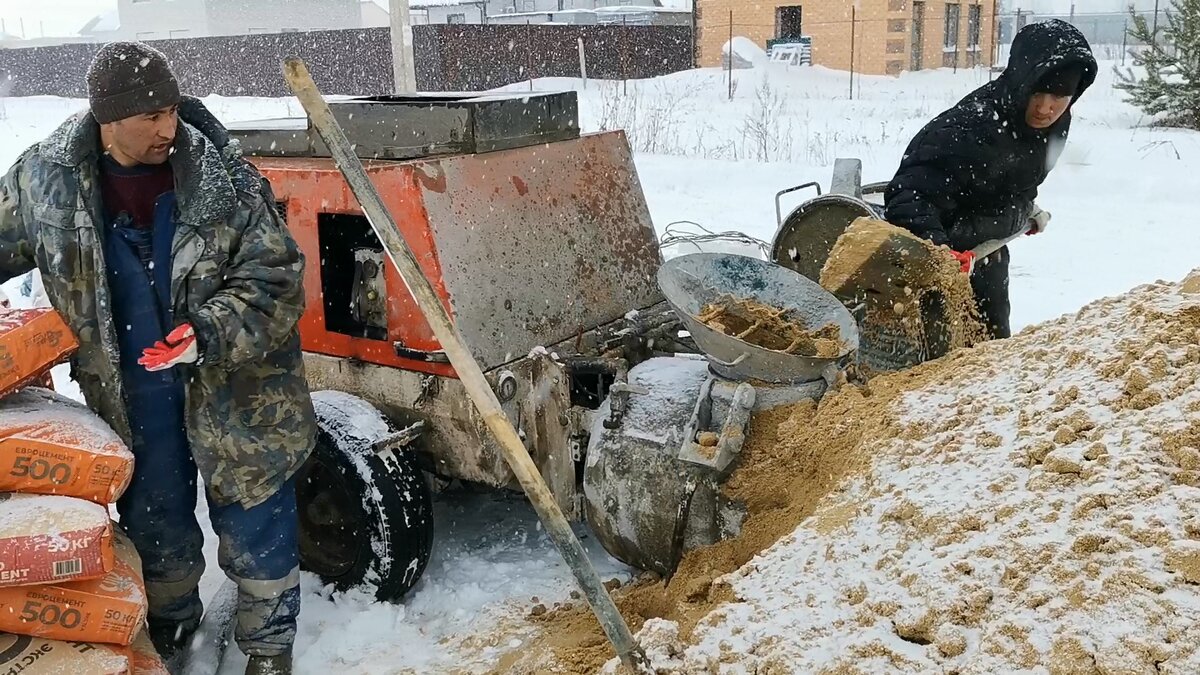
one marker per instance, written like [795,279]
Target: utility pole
[1154,30]
[404,70]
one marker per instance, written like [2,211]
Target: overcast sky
[59,17]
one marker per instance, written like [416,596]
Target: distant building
[447,11]
[533,11]
[888,36]
[167,19]
[374,15]
[103,28]
[630,15]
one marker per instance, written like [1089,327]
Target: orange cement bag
[144,659]
[32,341]
[111,609]
[36,656]
[50,444]
[51,539]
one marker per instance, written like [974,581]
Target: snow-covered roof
[418,4]
[102,23]
[599,11]
[631,9]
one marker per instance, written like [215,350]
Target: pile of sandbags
[72,598]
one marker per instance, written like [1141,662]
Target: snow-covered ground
[1123,200]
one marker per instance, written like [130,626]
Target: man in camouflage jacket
[162,249]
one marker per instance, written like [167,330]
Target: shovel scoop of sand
[875,260]
[908,286]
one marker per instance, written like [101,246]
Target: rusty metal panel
[540,244]
[422,125]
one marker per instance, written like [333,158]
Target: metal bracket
[618,397]
[429,389]
[733,430]
[368,305]
[575,445]
[847,178]
[399,439]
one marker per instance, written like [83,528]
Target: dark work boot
[280,664]
[170,641]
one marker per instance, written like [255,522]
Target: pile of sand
[1027,502]
[768,327]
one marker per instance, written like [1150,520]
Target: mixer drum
[647,496]
[636,488]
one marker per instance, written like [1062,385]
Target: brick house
[889,36]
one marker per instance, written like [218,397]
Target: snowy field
[1123,200]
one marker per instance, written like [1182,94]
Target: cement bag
[111,609]
[36,656]
[32,341]
[143,658]
[50,444]
[52,539]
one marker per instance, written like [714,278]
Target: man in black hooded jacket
[972,174]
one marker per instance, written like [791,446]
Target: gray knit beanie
[130,78]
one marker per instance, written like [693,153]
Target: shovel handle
[992,245]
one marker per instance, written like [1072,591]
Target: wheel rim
[331,521]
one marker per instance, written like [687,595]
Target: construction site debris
[768,327]
[54,446]
[110,609]
[51,539]
[31,342]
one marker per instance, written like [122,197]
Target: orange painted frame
[310,187]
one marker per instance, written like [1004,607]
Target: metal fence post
[582,64]
[853,30]
[729,57]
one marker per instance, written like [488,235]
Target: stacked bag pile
[72,598]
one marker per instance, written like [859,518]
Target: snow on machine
[540,244]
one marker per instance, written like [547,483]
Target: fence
[1100,28]
[448,58]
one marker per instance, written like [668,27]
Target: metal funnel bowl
[690,282]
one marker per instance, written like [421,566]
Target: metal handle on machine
[781,193]
[403,352]
[728,364]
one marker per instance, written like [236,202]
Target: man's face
[142,139]
[1046,109]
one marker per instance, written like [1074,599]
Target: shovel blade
[876,260]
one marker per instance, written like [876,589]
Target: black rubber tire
[364,520]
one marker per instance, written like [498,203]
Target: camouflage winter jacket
[235,276]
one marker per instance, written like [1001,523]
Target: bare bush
[652,120]
[765,137]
